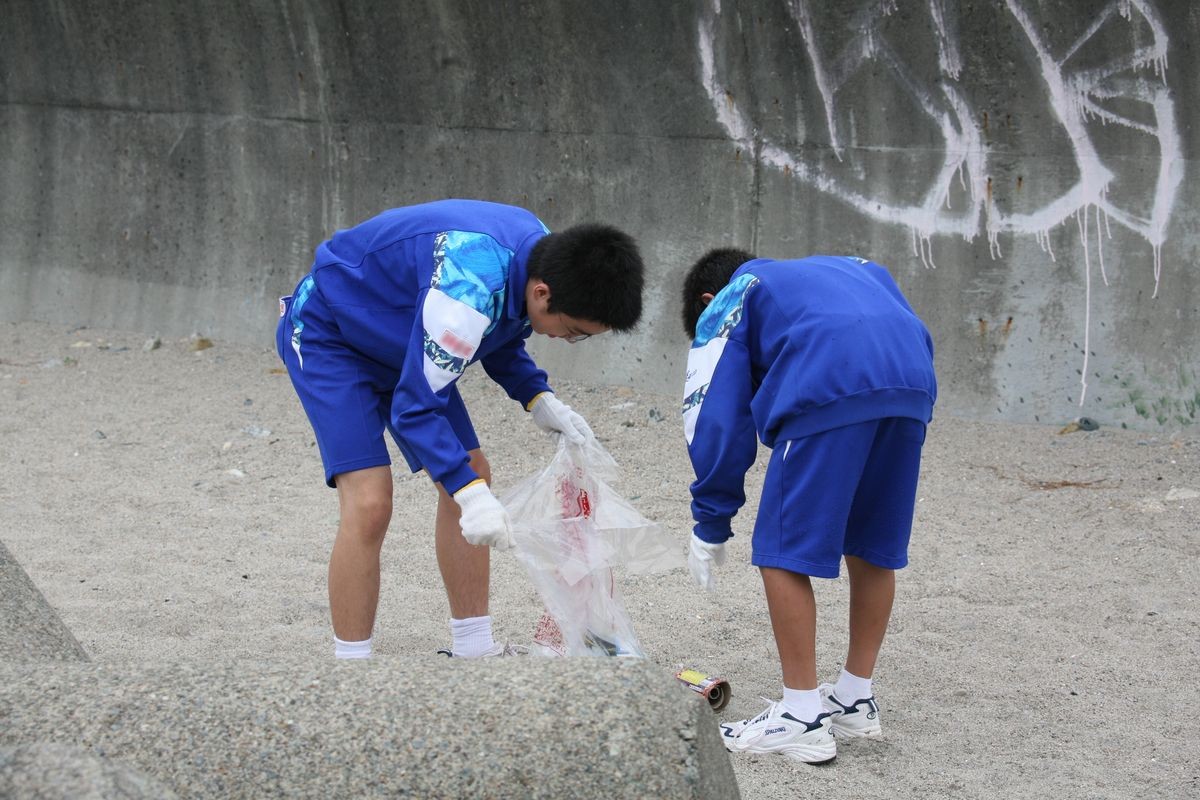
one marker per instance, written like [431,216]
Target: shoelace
[770,709]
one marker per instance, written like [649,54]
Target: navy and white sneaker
[857,720]
[498,650]
[777,731]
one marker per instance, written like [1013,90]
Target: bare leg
[872,590]
[794,619]
[465,567]
[365,501]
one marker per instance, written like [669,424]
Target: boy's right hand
[551,414]
[702,556]
[484,520]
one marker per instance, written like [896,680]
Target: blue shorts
[847,491]
[347,395]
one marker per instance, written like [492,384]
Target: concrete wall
[1021,166]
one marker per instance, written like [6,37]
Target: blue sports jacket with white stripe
[429,289]
[792,348]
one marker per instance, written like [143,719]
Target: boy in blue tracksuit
[375,337]
[825,362]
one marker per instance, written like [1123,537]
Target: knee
[366,516]
[865,573]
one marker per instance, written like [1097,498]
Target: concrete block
[58,772]
[405,727]
[30,629]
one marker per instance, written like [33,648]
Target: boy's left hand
[551,414]
[702,557]
[484,520]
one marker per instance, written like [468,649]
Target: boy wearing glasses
[825,362]
[374,338]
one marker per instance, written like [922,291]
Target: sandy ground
[170,505]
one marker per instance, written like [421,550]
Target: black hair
[709,275]
[594,272]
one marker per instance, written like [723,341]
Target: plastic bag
[570,529]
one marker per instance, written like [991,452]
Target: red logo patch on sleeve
[451,342]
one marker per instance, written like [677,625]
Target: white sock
[351,649]
[851,688]
[472,636]
[803,704]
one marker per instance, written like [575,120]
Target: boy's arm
[722,443]
[461,304]
[431,366]
[511,366]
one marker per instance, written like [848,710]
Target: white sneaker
[857,720]
[498,650]
[777,731]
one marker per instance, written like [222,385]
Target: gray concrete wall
[1021,166]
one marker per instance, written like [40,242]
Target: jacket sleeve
[718,425]
[459,307]
[514,370]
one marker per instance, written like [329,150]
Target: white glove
[702,556]
[484,520]
[551,414]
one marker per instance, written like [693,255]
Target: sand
[169,503]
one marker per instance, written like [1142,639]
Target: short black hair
[594,272]
[709,275]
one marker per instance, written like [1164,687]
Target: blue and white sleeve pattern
[305,290]
[465,300]
[712,334]
[717,419]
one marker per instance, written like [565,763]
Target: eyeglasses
[572,338]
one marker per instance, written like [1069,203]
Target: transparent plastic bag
[570,529]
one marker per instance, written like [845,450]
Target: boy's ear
[537,294]
[706,298]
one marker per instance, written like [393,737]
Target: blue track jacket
[792,348]
[427,290]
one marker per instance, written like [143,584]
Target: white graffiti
[1129,90]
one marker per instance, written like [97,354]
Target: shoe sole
[856,733]
[805,754]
